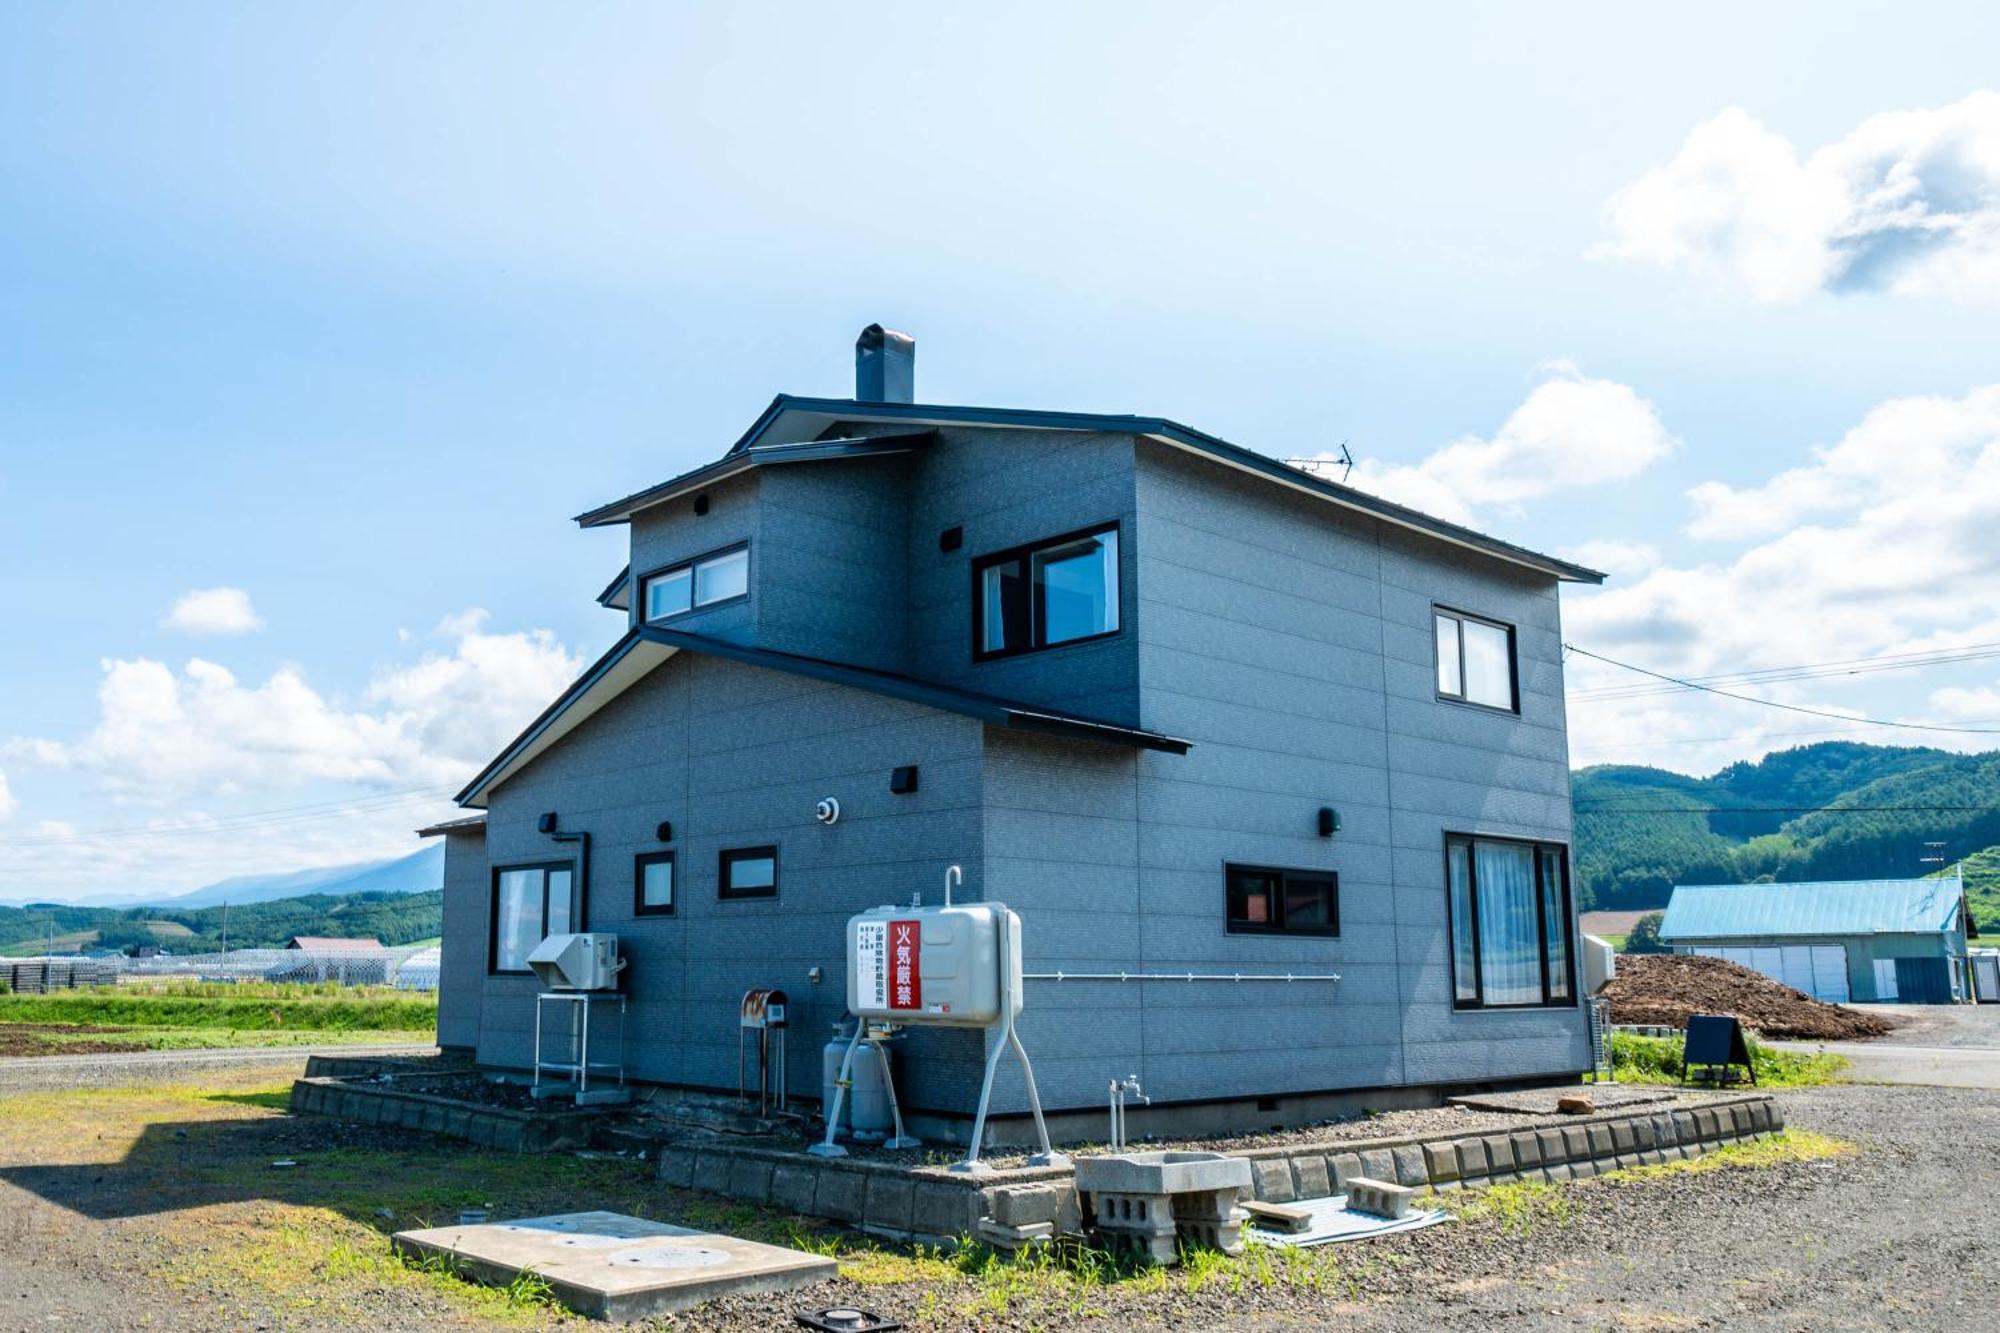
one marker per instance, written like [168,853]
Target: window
[1475,660]
[1266,901]
[749,872]
[704,582]
[1510,923]
[653,884]
[530,903]
[1064,590]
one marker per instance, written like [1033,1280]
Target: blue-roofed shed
[1868,939]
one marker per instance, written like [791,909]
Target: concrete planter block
[1624,1139]
[434,1117]
[711,1173]
[1499,1154]
[1441,1162]
[458,1122]
[1576,1140]
[887,1204]
[1410,1170]
[1471,1159]
[1309,1178]
[1557,1171]
[1777,1113]
[1378,1197]
[791,1186]
[677,1169]
[1272,1180]
[1527,1150]
[1341,1168]
[1643,1134]
[1552,1147]
[1601,1144]
[947,1210]
[479,1130]
[1685,1129]
[1162,1173]
[510,1136]
[1013,1238]
[1583,1168]
[838,1195]
[750,1180]
[1746,1121]
[1378,1164]
[1023,1205]
[1760,1117]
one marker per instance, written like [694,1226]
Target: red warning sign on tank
[906,976]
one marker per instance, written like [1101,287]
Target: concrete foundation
[610,1266]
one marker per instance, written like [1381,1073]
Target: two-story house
[1185,708]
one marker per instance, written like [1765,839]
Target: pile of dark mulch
[1665,989]
[47,1039]
[473,1088]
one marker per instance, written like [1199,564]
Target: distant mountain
[419,872]
[1640,830]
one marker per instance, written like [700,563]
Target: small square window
[749,872]
[653,884]
[1263,900]
[1475,660]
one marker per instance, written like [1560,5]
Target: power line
[1790,708]
[1852,666]
[1758,736]
[1586,808]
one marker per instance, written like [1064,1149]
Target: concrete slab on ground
[615,1267]
[1542,1101]
[1927,1066]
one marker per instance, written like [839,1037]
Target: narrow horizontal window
[1475,660]
[704,582]
[1064,590]
[1264,900]
[749,872]
[653,884]
[1510,923]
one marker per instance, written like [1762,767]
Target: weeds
[1638,1059]
[1781,1149]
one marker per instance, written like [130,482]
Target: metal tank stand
[1048,1156]
[874,1036]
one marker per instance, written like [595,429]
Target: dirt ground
[47,1039]
[1666,988]
[159,1207]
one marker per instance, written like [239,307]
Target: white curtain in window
[1465,960]
[518,919]
[1510,952]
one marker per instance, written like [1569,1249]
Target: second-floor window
[1475,660]
[1063,590]
[698,583]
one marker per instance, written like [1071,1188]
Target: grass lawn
[1637,1059]
[185,1015]
[175,1186]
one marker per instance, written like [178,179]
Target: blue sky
[348,309]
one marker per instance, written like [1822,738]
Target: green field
[186,1015]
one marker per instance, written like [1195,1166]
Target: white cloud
[213,611]
[1570,431]
[164,736]
[1883,544]
[1908,201]
[6,796]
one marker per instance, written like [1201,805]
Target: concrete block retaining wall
[487,1126]
[929,1204]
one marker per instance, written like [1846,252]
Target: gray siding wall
[462,948]
[833,579]
[673,533]
[736,756]
[1292,644]
[1007,488]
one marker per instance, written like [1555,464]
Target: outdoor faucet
[1118,1094]
[953,875]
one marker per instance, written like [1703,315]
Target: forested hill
[1639,831]
[393,918]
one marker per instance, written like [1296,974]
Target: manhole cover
[674,1256]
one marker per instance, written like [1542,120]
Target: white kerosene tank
[933,966]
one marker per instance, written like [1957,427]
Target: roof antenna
[1315,465]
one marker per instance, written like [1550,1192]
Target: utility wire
[1855,666]
[1790,708]
[1588,809]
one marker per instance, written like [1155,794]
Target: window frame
[1513,707]
[640,907]
[1036,617]
[691,566]
[577,911]
[1283,874]
[728,856]
[1478,1003]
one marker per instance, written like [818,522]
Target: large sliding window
[531,903]
[1510,923]
[1064,590]
[722,577]
[1475,660]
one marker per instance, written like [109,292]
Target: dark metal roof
[742,458]
[605,680]
[465,825]
[792,420]
[614,589]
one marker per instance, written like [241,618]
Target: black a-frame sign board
[1715,1046]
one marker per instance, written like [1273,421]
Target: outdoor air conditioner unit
[578,962]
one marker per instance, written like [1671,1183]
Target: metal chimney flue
[885,366]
